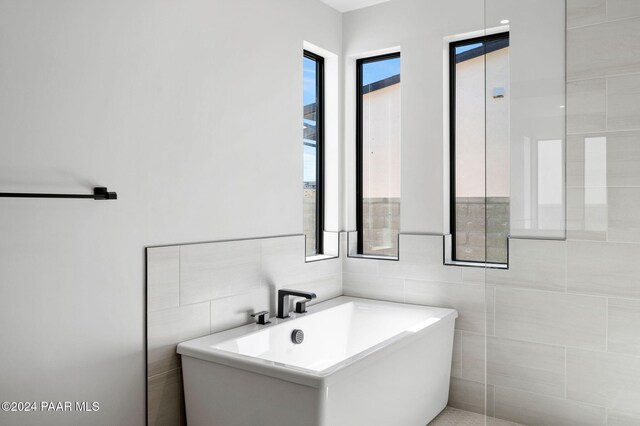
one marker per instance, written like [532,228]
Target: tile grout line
[598,77]
[606,102]
[565,372]
[606,325]
[607,21]
[605,131]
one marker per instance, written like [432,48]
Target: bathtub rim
[199,348]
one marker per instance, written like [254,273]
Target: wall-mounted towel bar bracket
[99,193]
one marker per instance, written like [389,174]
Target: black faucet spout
[283,300]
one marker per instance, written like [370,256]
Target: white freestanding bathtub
[362,362]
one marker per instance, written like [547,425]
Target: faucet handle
[301,307]
[261,317]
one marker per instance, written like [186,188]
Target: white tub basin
[362,362]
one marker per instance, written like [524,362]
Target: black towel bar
[99,193]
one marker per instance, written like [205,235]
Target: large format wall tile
[619,418]
[603,268]
[607,379]
[234,311]
[420,258]
[470,396]
[473,356]
[165,329]
[166,399]
[623,101]
[607,49]
[211,271]
[550,317]
[586,105]
[624,326]
[283,262]
[620,9]
[585,12]
[163,277]
[467,299]
[325,287]
[361,265]
[538,410]
[373,287]
[527,366]
[456,358]
[624,214]
[623,158]
[586,221]
[537,264]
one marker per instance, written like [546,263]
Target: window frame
[359,149]
[319,60]
[452,146]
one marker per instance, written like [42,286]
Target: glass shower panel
[525,196]
[536,114]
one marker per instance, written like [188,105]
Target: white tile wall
[623,157]
[623,101]
[624,220]
[607,49]
[526,366]
[538,410]
[586,12]
[624,326]
[619,418]
[587,105]
[211,271]
[604,379]
[373,287]
[610,269]
[536,264]
[456,359]
[166,399]
[621,9]
[163,277]
[551,317]
[197,289]
[467,299]
[168,327]
[473,356]
[470,396]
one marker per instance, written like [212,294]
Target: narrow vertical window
[313,129]
[479,120]
[378,155]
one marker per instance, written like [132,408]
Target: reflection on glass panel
[312,141]
[379,210]
[595,184]
[537,106]
[550,184]
[480,147]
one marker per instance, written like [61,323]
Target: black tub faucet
[283,301]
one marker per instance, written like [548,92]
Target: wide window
[378,155]
[313,138]
[479,119]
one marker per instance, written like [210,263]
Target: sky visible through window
[462,49]
[379,70]
[309,97]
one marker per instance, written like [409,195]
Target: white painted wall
[191,111]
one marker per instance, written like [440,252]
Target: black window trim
[319,60]
[359,143]
[498,37]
